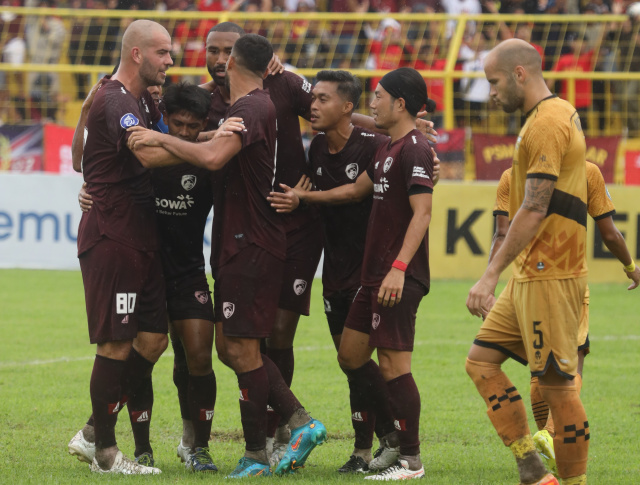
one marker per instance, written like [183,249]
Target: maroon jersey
[123,207]
[399,170]
[183,202]
[247,216]
[344,226]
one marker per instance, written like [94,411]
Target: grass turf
[45,365]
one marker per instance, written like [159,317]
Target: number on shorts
[540,343]
[125,303]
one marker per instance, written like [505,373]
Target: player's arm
[77,144]
[524,227]
[502,226]
[613,239]
[291,198]
[393,283]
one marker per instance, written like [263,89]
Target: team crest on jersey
[128,120]
[202,296]
[375,321]
[352,171]
[227,309]
[189,181]
[387,164]
[299,286]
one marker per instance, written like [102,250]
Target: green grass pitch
[45,365]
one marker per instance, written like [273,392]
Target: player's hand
[86,105]
[286,201]
[85,199]
[229,127]
[390,292]
[426,127]
[634,276]
[436,167]
[303,184]
[275,66]
[142,137]
[481,297]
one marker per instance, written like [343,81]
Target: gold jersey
[551,146]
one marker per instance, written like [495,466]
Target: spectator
[350,35]
[389,50]
[629,61]
[457,7]
[474,92]
[12,51]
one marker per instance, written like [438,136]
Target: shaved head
[142,34]
[509,54]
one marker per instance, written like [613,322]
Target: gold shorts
[538,323]
[583,331]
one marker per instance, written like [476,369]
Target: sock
[571,441]
[370,383]
[138,386]
[202,400]
[106,393]
[550,425]
[90,421]
[579,480]
[538,405]
[254,391]
[281,399]
[405,404]
[362,419]
[504,403]
[181,377]
[284,361]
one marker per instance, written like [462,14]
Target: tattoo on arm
[537,194]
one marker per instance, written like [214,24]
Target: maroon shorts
[189,298]
[388,328]
[249,286]
[217,304]
[304,248]
[124,292]
[336,307]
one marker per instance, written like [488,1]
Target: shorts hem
[500,348]
[551,360]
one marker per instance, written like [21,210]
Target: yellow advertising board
[462,227]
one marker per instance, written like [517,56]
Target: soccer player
[546,241]
[601,209]
[118,248]
[252,251]
[395,268]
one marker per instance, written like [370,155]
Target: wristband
[397,264]
[631,268]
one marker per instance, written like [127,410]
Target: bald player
[546,241]
[118,247]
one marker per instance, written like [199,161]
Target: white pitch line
[62,360]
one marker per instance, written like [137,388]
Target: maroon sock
[405,402]
[138,387]
[202,400]
[362,419]
[106,393]
[181,377]
[281,399]
[90,421]
[370,383]
[254,392]
[284,361]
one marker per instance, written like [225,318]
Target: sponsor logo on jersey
[128,120]
[227,309]
[327,305]
[188,182]
[299,286]
[359,416]
[306,86]
[319,171]
[367,134]
[387,164]
[375,321]
[400,424]
[141,416]
[182,202]
[202,296]
[206,414]
[382,187]
[352,170]
[244,394]
[420,172]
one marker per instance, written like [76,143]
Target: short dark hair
[186,97]
[227,27]
[349,86]
[253,52]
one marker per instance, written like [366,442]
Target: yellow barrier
[462,227]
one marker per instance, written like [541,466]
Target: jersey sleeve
[599,202]
[417,164]
[300,90]
[121,112]
[501,207]
[546,143]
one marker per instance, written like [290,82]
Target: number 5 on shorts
[540,343]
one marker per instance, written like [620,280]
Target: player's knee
[199,361]
[481,371]
[151,345]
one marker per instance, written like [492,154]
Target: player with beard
[118,248]
[395,267]
[251,252]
